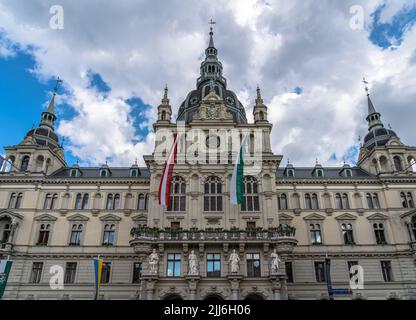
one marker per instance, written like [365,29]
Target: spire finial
[366,87]
[165,99]
[58,82]
[259,99]
[212,23]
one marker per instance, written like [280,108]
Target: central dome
[211,78]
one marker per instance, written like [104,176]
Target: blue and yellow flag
[98,268]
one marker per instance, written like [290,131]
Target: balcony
[284,234]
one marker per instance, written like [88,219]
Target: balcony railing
[153,234]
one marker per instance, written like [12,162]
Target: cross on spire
[58,82]
[366,86]
[212,23]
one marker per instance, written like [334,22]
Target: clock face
[213,142]
[229,100]
[194,100]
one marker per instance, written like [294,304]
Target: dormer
[105,171]
[318,171]
[346,171]
[135,171]
[75,171]
[289,171]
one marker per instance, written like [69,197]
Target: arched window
[398,163]
[15,200]
[177,195]
[345,201]
[117,201]
[369,201]
[25,163]
[76,232]
[376,201]
[44,232]
[347,233]
[308,201]
[315,233]
[7,230]
[282,201]
[338,201]
[261,115]
[410,200]
[291,173]
[142,202]
[78,201]
[12,201]
[109,234]
[110,202]
[47,203]
[379,233]
[251,196]
[213,194]
[403,199]
[413,227]
[315,202]
[85,201]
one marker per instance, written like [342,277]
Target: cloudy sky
[115,57]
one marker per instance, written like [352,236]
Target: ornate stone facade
[271,247]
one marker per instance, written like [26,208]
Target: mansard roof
[329,173]
[94,173]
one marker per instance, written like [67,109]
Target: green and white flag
[5,266]
[236,190]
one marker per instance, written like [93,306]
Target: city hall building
[273,246]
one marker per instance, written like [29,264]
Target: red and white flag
[165,182]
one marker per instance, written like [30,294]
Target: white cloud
[137,47]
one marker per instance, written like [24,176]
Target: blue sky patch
[389,35]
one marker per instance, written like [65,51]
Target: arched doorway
[173,297]
[213,297]
[254,296]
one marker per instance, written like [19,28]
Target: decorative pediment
[10,214]
[378,216]
[78,217]
[407,214]
[285,217]
[46,217]
[346,216]
[314,216]
[139,217]
[110,217]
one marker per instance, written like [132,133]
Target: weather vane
[212,23]
[366,86]
[58,82]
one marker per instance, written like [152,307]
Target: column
[44,166]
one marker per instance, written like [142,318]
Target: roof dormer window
[73,173]
[134,173]
[319,173]
[291,173]
[104,173]
[348,173]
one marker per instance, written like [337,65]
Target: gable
[314,216]
[346,216]
[77,217]
[285,217]
[378,216]
[46,217]
[7,213]
[110,217]
[139,217]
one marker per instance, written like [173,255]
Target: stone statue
[234,262]
[193,264]
[275,262]
[153,262]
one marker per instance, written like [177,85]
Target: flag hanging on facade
[98,268]
[165,182]
[237,184]
[2,160]
[5,267]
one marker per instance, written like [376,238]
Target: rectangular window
[70,271]
[214,265]
[350,265]
[320,272]
[105,275]
[251,228]
[379,233]
[289,271]
[174,265]
[387,271]
[36,273]
[137,272]
[315,234]
[253,265]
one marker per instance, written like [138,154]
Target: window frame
[70,278]
[174,263]
[36,278]
[251,199]
[252,270]
[319,266]
[387,273]
[214,261]
[314,231]
[213,199]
